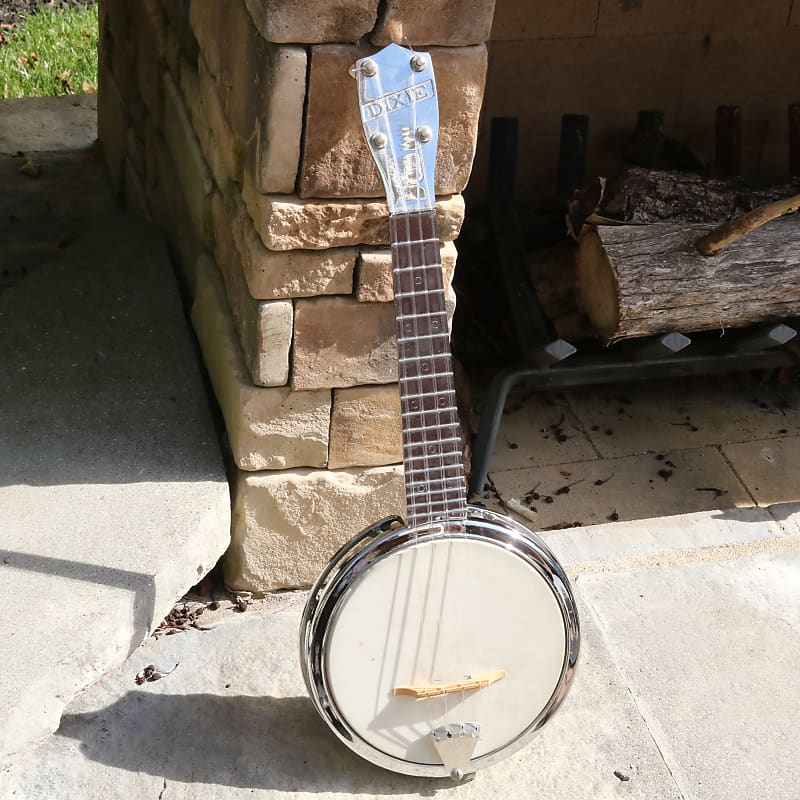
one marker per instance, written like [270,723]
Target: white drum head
[441,611]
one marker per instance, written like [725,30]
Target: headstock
[400,115]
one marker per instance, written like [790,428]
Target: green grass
[53,51]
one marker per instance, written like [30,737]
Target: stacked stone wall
[234,125]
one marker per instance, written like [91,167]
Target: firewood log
[637,280]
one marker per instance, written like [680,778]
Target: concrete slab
[661,416]
[41,214]
[112,489]
[232,721]
[710,652]
[30,124]
[769,468]
[634,487]
[615,545]
[539,429]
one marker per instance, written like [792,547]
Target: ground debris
[183,617]
[621,775]
[717,492]
[152,673]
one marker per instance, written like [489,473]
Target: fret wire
[417,267]
[438,441]
[441,482]
[446,391]
[435,427]
[426,376]
[429,411]
[415,241]
[422,357]
[404,339]
[416,293]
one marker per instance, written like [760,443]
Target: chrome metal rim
[389,537]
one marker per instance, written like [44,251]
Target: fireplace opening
[601,353]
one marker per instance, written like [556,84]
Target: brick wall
[610,58]
[234,125]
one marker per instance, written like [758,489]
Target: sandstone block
[220,147]
[686,16]
[177,12]
[365,427]
[190,165]
[280,125]
[341,342]
[167,206]
[264,328]
[111,127]
[523,21]
[135,200]
[238,58]
[268,428]
[293,223]
[286,525]
[421,22]
[149,36]
[336,159]
[306,21]
[795,18]
[134,149]
[374,283]
[290,273]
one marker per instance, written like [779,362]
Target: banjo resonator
[438,645]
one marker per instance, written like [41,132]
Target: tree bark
[641,280]
[641,196]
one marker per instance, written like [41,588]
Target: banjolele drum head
[442,604]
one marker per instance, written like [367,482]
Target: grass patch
[53,51]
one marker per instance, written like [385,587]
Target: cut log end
[597,284]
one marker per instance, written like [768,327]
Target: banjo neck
[432,447]
[400,115]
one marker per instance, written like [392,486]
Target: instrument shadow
[242,741]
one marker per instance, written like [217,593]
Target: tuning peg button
[378,140]
[418,62]
[424,133]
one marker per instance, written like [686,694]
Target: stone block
[237,57]
[172,55]
[221,148]
[453,23]
[289,273]
[268,428]
[177,12]
[795,18]
[135,199]
[148,33]
[336,160]
[716,74]
[641,70]
[340,342]
[121,59]
[134,150]
[168,209]
[365,427]
[566,18]
[112,125]
[279,133]
[310,21]
[293,223]
[374,284]
[264,328]
[190,165]
[286,525]
[687,16]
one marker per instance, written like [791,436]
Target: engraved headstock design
[400,115]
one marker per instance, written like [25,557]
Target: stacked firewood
[661,249]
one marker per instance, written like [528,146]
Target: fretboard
[432,448]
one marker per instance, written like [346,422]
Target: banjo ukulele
[440,645]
